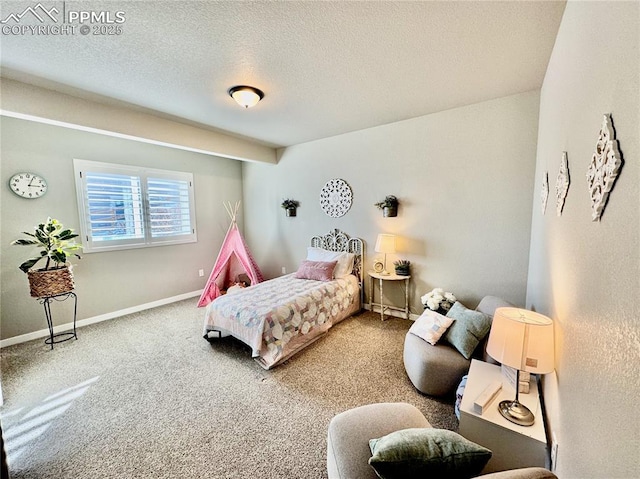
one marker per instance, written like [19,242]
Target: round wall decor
[336,198]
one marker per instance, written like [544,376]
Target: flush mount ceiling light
[246,96]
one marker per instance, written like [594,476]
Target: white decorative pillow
[345,260]
[430,326]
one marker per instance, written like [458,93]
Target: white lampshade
[522,339]
[246,96]
[386,244]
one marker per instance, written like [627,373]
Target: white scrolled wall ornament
[604,168]
[562,183]
[544,192]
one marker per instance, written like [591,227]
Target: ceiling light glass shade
[246,96]
[386,243]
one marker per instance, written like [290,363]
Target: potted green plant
[402,267]
[389,206]
[56,245]
[290,206]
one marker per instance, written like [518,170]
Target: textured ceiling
[326,67]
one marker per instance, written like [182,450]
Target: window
[125,207]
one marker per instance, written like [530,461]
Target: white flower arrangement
[438,300]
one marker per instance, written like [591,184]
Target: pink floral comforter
[281,316]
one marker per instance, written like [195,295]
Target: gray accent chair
[349,432]
[437,370]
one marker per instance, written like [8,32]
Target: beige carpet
[146,396]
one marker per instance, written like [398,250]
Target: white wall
[464,178]
[583,274]
[109,281]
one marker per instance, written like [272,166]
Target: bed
[279,317]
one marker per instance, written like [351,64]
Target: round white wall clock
[336,198]
[28,185]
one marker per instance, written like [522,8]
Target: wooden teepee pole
[232,211]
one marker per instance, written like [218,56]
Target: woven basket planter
[50,282]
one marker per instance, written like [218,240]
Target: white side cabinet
[512,445]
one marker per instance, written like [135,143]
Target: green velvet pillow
[426,452]
[469,328]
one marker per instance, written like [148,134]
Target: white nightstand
[512,445]
[381,279]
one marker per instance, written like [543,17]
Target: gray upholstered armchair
[349,433]
[437,370]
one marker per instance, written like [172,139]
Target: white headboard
[337,240]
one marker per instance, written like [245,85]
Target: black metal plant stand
[59,337]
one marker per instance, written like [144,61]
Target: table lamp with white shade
[523,340]
[386,244]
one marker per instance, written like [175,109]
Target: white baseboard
[43,333]
[390,312]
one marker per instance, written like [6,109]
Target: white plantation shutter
[114,204]
[169,212]
[125,207]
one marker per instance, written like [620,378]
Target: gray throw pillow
[469,328]
[426,452]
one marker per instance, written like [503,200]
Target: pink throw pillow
[318,270]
